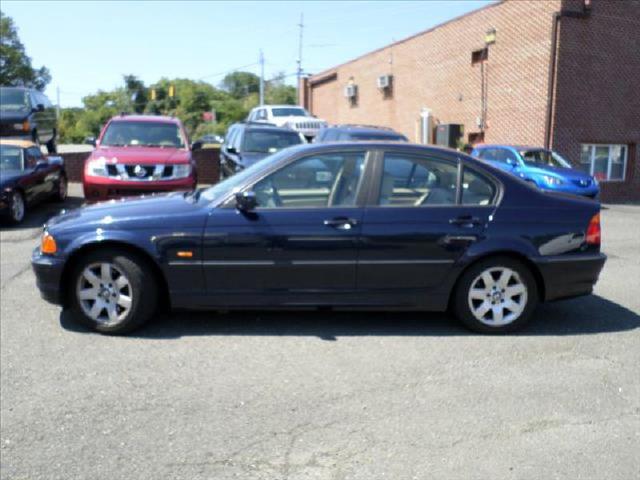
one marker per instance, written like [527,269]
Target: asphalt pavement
[321,395]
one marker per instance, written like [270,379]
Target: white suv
[291,116]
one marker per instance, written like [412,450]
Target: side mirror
[39,108]
[41,163]
[196,145]
[90,141]
[55,160]
[246,201]
[512,162]
[232,150]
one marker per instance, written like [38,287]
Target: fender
[98,236]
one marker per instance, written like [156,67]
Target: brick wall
[434,70]
[598,87]
[207,161]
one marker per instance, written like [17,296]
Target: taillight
[594,233]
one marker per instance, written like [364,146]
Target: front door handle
[341,223]
[466,221]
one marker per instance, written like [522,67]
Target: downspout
[585,13]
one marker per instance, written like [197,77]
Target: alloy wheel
[104,293]
[497,296]
[17,207]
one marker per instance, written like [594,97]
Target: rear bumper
[592,192]
[48,272]
[567,276]
[99,189]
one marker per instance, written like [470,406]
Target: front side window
[289,112]
[11,158]
[544,158]
[604,162]
[417,181]
[269,141]
[33,155]
[476,189]
[326,180]
[143,134]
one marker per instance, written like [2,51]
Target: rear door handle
[341,223]
[466,221]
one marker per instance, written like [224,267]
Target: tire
[104,301]
[17,207]
[505,309]
[63,189]
[52,146]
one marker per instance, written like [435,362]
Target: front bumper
[48,271]
[98,189]
[567,276]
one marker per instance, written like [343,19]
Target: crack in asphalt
[13,277]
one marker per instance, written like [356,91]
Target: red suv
[137,154]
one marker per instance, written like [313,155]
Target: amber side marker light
[185,254]
[48,244]
[594,232]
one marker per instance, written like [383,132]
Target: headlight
[17,126]
[182,171]
[552,180]
[97,167]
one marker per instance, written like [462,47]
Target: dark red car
[138,154]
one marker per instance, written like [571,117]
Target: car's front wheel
[113,291]
[496,295]
[17,207]
[63,189]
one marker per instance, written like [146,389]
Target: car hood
[13,116]
[295,118]
[567,173]
[149,211]
[142,155]
[9,177]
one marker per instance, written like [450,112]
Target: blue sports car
[544,168]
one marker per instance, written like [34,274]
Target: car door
[423,213]
[299,245]
[35,185]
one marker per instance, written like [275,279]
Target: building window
[478,56]
[605,162]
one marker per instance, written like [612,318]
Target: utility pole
[299,62]
[58,102]
[261,78]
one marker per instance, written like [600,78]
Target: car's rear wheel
[496,295]
[17,207]
[113,291]
[63,189]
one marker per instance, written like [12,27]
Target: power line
[229,71]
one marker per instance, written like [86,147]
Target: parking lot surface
[321,395]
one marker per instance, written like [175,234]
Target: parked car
[27,177]
[211,139]
[543,168]
[291,116]
[138,154]
[27,114]
[355,133]
[353,225]
[247,142]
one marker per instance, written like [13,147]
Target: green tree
[241,84]
[15,64]
[137,92]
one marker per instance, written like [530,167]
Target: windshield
[265,141]
[237,181]
[143,134]
[543,158]
[13,99]
[289,112]
[11,158]
[378,136]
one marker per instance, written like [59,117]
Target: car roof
[501,145]
[18,87]
[146,118]
[263,126]
[17,143]
[382,145]
[365,129]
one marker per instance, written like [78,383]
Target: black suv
[245,143]
[355,133]
[28,114]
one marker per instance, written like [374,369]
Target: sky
[89,46]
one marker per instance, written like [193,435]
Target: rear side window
[417,181]
[476,189]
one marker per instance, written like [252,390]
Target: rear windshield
[143,134]
[543,158]
[269,141]
[13,99]
[289,112]
[11,158]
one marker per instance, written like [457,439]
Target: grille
[146,172]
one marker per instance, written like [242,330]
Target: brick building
[557,73]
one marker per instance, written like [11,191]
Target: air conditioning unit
[384,81]
[350,91]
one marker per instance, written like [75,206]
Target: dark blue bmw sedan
[349,225]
